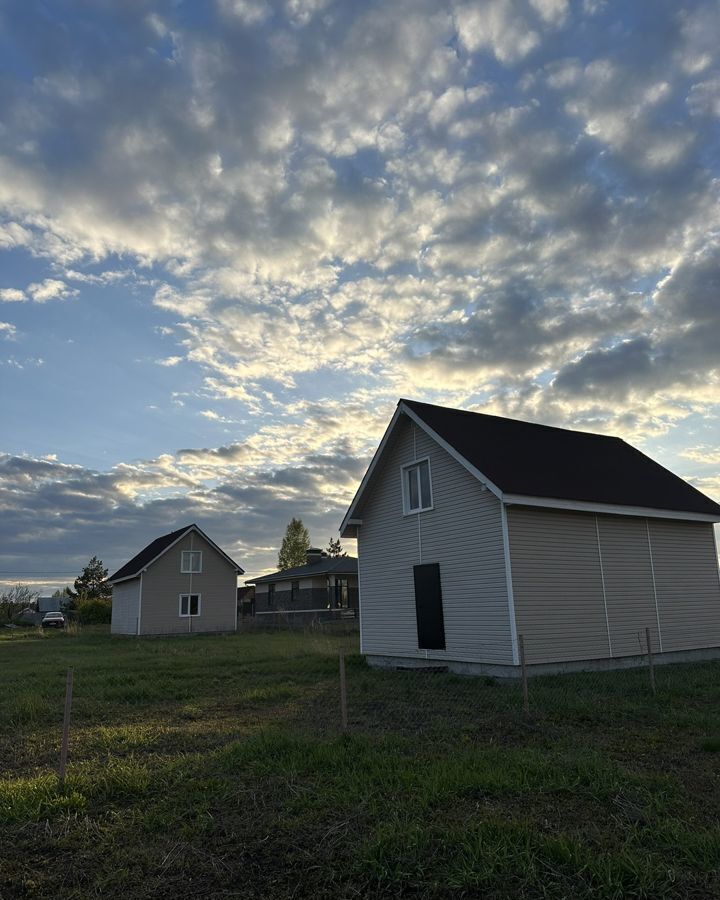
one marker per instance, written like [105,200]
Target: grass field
[214,767]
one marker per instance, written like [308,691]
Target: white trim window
[416,487]
[191,562]
[190,605]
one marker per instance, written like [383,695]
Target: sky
[233,234]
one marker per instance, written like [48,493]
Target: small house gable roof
[520,461]
[328,565]
[161,545]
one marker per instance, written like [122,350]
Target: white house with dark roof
[474,529]
[324,584]
[181,583]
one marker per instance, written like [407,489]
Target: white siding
[125,607]
[463,533]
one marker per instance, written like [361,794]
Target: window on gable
[191,561]
[189,605]
[417,493]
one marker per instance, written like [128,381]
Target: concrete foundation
[468,667]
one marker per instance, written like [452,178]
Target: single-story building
[325,583]
[181,582]
[474,529]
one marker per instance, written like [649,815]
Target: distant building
[182,582]
[49,604]
[325,584]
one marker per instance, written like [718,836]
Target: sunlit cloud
[510,206]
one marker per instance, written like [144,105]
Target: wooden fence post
[650,660]
[66,727]
[343,692]
[523,669]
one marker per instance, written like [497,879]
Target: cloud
[50,289]
[69,512]
[12,295]
[7,331]
[707,456]
[510,205]
[40,292]
[30,362]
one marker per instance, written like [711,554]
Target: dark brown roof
[155,548]
[328,565]
[542,461]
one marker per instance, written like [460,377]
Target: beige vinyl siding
[463,533]
[628,583]
[686,579]
[125,607]
[163,583]
[557,584]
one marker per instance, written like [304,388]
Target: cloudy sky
[233,233]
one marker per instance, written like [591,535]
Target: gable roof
[156,548]
[523,461]
[328,565]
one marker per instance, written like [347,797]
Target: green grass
[215,767]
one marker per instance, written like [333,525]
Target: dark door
[428,607]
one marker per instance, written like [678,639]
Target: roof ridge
[473,412]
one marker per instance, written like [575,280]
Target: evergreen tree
[334,548]
[91,584]
[295,545]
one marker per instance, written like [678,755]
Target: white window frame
[416,463]
[184,567]
[188,614]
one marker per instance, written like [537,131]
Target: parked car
[53,620]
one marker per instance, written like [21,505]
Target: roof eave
[125,577]
[349,525]
[456,455]
[350,514]
[609,508]
[351,528]
[193,527]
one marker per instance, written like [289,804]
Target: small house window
[294,590]
[417,494]
[271,595]
[191,561]
[189,605]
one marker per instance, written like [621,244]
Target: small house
[475,530]
[325,587]
[180,583]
